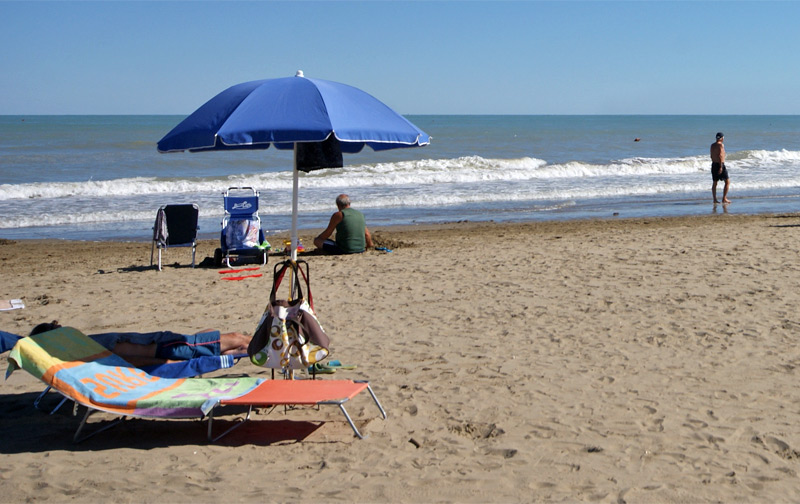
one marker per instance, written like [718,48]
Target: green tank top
[350,232]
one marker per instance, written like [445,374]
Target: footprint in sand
[778,446]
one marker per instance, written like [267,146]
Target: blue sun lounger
[241,227]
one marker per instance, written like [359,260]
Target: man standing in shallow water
[718,170]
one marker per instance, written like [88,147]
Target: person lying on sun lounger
[147,349]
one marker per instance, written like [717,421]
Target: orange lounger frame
[298,392]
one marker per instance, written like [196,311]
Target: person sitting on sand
[162,347]
[352,235]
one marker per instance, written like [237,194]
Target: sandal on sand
[338,365]
[320,368]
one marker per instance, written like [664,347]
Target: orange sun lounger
[298,392]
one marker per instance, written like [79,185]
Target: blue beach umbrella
[316,118]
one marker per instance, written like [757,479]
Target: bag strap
[306,276]
[279,272]
[277,278]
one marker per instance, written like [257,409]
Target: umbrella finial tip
[299,74]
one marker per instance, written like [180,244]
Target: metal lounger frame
[338,402]
[77,438]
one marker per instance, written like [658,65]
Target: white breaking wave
[60,219]
[139,186]
[470,181]
[763,159]
[463,170]
[388,201]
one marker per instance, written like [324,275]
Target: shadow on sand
[29,430]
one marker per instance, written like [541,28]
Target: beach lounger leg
[77,439]
[58,406]
[340,403]
[42,395]
[377,402]
[238,423]
[350,421]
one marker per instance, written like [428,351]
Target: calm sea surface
[100,177]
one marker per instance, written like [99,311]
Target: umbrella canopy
[294,113]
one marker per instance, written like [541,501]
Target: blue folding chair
[241,227]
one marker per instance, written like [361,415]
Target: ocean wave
[60,219]
[138,186]
[764,159]
[536,196]
[321,203]
[403,174]
[90,216]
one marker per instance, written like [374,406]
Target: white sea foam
[101,177]
[463,170]
[468,180]
[58,219]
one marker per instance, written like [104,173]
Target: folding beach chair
[175,226]
[241,234]
[82,370]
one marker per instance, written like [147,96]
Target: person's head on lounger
[44,327]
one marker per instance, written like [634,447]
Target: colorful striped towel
[87,373]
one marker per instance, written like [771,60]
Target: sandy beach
[649,360]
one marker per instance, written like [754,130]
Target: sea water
[101,178]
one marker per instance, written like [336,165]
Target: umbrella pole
[295,195]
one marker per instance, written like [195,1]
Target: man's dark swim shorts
[715,175]
[189,346]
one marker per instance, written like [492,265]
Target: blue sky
[419,57]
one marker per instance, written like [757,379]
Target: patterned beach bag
[289,336]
